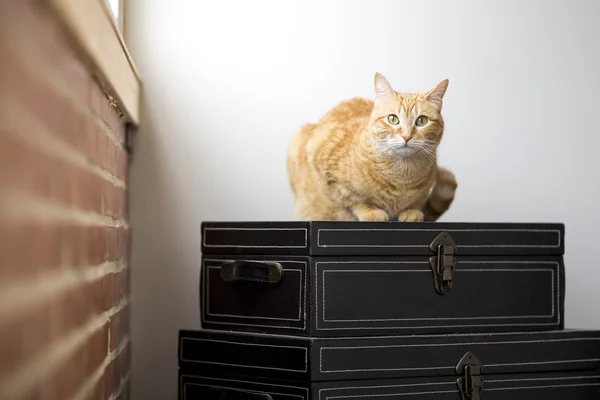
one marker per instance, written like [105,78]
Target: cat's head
[406,124]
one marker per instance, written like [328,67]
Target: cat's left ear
[383,90]
[436,95]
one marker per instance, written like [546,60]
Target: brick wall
[64,235]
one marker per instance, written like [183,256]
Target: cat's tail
[441,196]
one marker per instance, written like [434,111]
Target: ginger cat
[373,160]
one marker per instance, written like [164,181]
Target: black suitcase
[549,365]
[326,279]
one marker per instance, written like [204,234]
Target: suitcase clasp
[443,263]
[470,384]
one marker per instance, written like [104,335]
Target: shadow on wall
[158,265]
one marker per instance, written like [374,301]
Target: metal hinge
[443,263]
[470,384]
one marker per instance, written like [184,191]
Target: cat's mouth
[405,150]
[395,148]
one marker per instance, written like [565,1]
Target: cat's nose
[406,138]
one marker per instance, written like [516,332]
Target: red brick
[116,371]
[127,244]
[60,116]
[124,211]
[34,247]
[112,244]
[106,144]
[68,377]
[119,327]
[29,169]
[47,322]
[53,109]
[113,150]
[121,286]
[114,200]
[87,189]
[121,196]
[109,154]
[97,239]
[110,385]
[122,165]
[107,199]
[122,242]
[96,99]
[119,243]
[42,72]
[123,395]
[122,363]
[109,115]
[100,390]
[28,248]
[26,168]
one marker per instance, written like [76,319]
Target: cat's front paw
[411,216]
[374,216]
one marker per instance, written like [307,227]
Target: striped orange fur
[373,160]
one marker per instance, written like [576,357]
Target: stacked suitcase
[357,310]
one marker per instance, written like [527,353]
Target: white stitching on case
[438,230]
[322,310]
[302,302]
[241,381]
[391,394]
[300,328]
[234,388]
[183,339]
[450,345]
[255,229]
[403,336]
[592,384]
[556,378]
[393,386]
[436,319]
[454,383]
[301,272]
[416,346]
[546,387]
[543,362]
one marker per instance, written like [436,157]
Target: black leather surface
[194,385]
[557,386]
[290,238]
[255,306]
[396,295]
[351,296]
[216,393]
[246,355]
[364,238]
[350,359]
[374,238]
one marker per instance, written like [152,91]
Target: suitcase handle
[252,271]
[235,394]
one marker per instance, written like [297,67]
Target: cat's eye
[393,119]
[421,120]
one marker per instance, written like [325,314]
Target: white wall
[227,83]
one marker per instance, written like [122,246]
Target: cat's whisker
[429,153]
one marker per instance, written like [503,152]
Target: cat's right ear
[383,90]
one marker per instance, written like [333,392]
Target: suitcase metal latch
[443,263]
[470,384]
